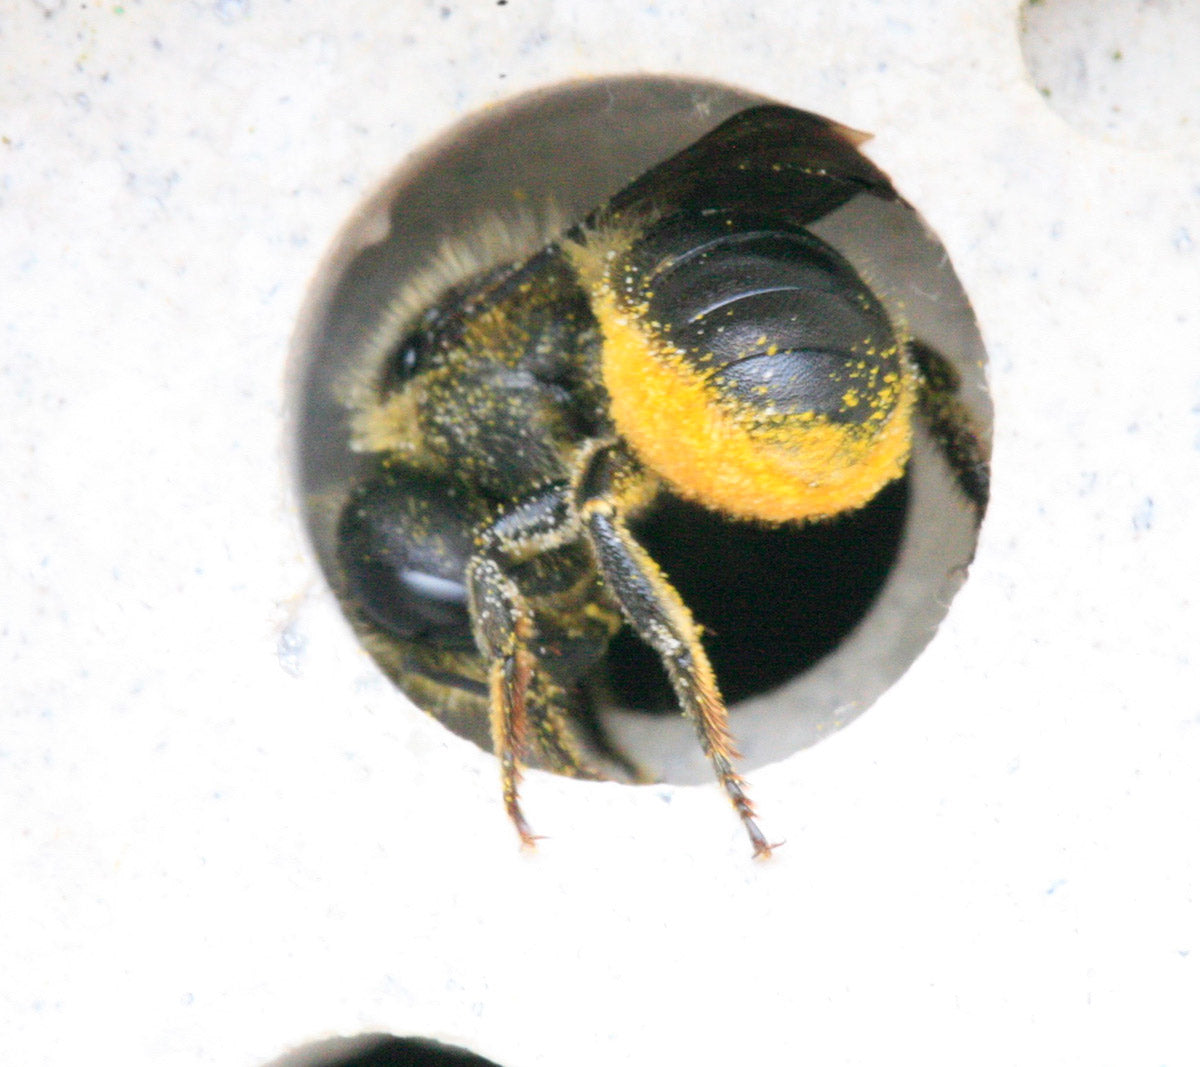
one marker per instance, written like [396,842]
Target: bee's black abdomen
[794,383]
[404,541]
[773,316]
[720,282]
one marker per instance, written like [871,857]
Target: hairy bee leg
[537,524]
[599,741]
[663,621]
[659,615]
[503,629]
[951,423]
[555,739]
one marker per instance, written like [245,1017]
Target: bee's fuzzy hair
[495,239]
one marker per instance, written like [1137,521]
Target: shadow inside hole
[772,600]
[383,1051]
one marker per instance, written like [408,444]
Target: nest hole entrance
[1124,71]
[807,625]
[381,1050]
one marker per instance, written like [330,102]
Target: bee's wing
[769,159]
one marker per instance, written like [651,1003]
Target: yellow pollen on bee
[712,451]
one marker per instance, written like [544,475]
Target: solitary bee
[691,337]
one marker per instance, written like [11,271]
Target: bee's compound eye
[403,363]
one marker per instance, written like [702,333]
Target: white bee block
[225,838]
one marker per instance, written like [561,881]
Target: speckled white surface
[222,836]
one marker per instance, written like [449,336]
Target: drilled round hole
[1124,70]
[806,622]
[381,1050]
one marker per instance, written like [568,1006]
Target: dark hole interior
[409,1052]
[772,600]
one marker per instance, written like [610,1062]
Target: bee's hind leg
[663,621]
[553,735]
[950,423]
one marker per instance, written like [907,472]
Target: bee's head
[748,364]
